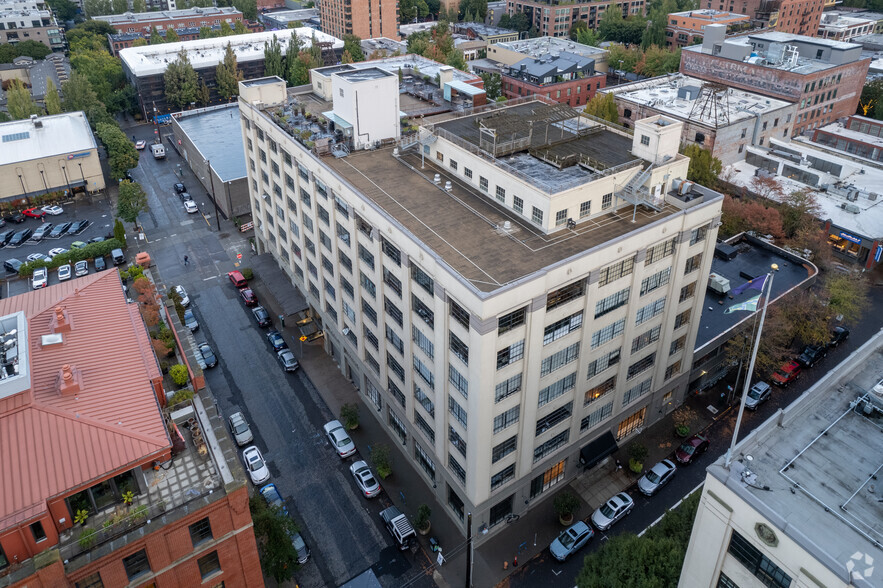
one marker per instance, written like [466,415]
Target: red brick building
[144,22]
[554,18]
[858,135]
[367,19]
[798,17]
[824,78]
[568,78]
[685,28]
[96,498]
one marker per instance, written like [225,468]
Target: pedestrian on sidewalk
[186,260]
[618,465]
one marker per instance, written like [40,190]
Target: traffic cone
[515,562]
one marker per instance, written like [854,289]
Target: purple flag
[755,284]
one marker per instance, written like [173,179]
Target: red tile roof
[51,443]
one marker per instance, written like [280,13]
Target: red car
[34,212]
[691,449]
[238,279]
[248,297]
[786,374]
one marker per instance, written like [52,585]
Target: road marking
[674,506]
[210,278]
[556,573]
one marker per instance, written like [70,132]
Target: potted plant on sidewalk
[349,414]
[566,505]
[637,455]
[422,520]
[380,459]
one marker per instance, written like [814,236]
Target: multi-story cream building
[515,290]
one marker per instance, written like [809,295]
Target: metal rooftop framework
[713,102]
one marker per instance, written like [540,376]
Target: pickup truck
[399,527]
[159,152]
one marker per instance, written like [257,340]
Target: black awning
[597,450]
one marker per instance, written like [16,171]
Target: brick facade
[574,92]
[207,17]
[367,19]
[555,20]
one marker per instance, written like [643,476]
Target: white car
[658,476]
[36,257]
[190,206]
[140,145]
[64,272]
[240,429]
[56,251]
[612,510]
[40,279]
[53,210]
[81,268]
[257,467]
[185,300]
[365,479]
[341,442]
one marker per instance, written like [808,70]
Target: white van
[159,152]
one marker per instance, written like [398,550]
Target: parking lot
[99,214]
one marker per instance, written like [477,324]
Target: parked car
[571,540]
[40,232]
[612,510]
[208,356]
[140,145]
[658,476]
[255,464]
[248,296]
[40,279]
[287,359]
[78,227]
[185,300]
[190,207]
[273,497]
[64,272]
[365,480]
[757,395]
[691,449]
[14,217]
[185,196]
[240,429]
[12,265]
[786,374]
[81,268]
[276,340]
[100,264]
[19,238]
[97,240]
[53,210]
[303,551]
[341,442]
[261,316]
[59,230]
[811,355]
[237,279]
[56,251]
[34,212]
[838,336]
[78,245]
[190,320]
[5,237]
[179,188]
[36,256]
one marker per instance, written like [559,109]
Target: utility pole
[469,550]
[211,180]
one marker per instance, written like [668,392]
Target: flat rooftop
[136,17]
[204,129]
[482,29]
[710,15]
[203,53]
[383,44]
[426,66]
[545,45]
[840,129]
[60,134]
[814,464]
[754,258]
[292,15]
[361,75]
[661,93]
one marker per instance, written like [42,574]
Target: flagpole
[747,385]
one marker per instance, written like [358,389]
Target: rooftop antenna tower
[713,103]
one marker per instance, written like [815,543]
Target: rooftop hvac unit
[685,188]
[852,208]
[852,195]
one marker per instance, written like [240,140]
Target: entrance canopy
[597,450]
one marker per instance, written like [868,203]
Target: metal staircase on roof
[635,192]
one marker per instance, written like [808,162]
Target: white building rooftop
[407,30]
[148,17]
[407,63]
[23,140]
[676,95]
[840,129]
[547,45]
[202,53]
[867,220]
[301,14]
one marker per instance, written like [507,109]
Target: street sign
[238,256]
[441,559]
[303,338]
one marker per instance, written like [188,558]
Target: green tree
[203,94]
[847,295]
[274,62]
[613,27]
[493,85]
[64,10]
[519,22]
[603,106]
[239,28]
[228,75]
[139,6]
[588,37]
[105,72]
[226,29]
[121,154]
[315,53]
[456,59]
[411,10]
[132,201]
[299,72]
[79,95]
[273,530]
[799,212]
[656,61]
[206,33]
[578,26]
[353,44]
[119,6]
[155,37]
[248,8]
[345,57]
[19,102]
[704,169]
[172,36]
[32,48]
[869,104]
[477,8]
[97,7]
[181,82]
[52,100]
[8,52]
[654,34]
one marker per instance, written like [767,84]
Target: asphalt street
[545,571]
[285,411]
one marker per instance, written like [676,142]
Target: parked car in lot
[81,268]
[786,374]
[40,232]
[571,540]
[5,237]
[255,464]
[190,207]
[273,497]
[365,480]
[691,449]
[612,510]
[97,239]
[248,296]
[40,279]
[78,227]
[338,438]
[78,245]
[838,336]
[53,210]
[34,212]
[19,238]
[190,320]
[12,265]
[185,300]
[261,316]
[757,395]
[185,196]
[55,252]
[179,188]
[239,429]
[287,359]
[277,341]
[658,476]
[64,272]
[100,264]
[14,217]
[36,256]
[811,355]
[59,230]
[208,356]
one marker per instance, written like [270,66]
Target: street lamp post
[211,180]
[620,71]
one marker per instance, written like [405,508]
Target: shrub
[422,518]
[87,538]
[81,516]
[566,504]
[90,251]
[380,459]
[349,414]
[181,396]
[247,273]
[160,348]
[119,232]
[139,514]
[179,374]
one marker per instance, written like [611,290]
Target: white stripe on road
[674,506]
[210,278]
